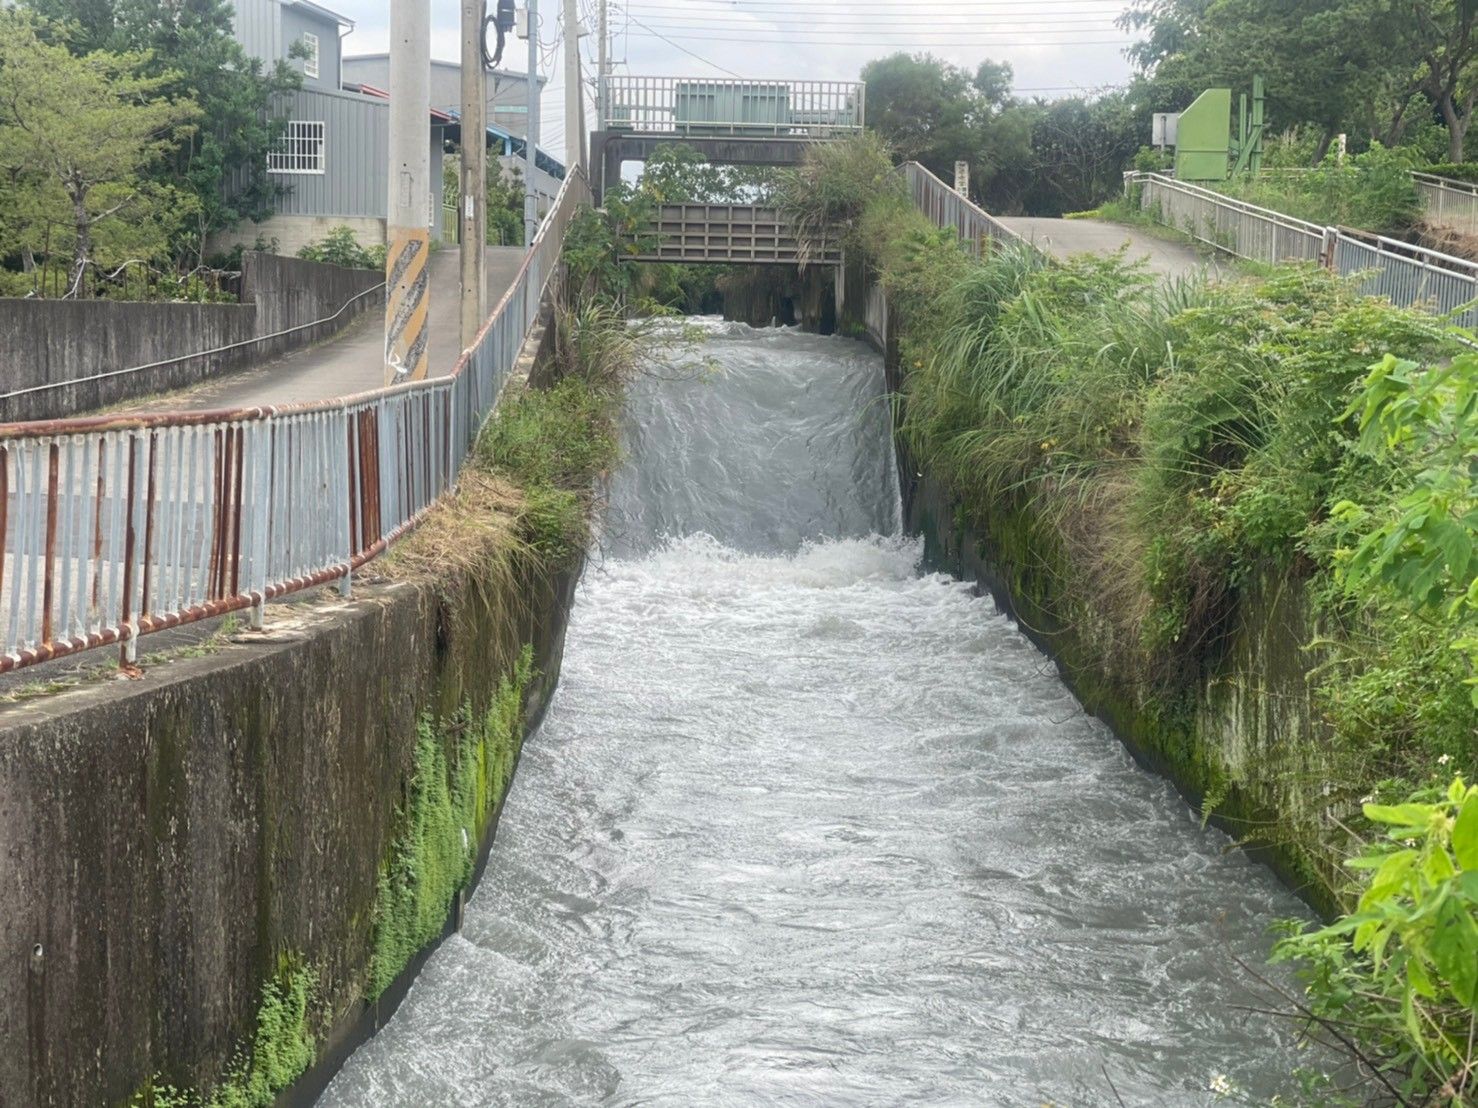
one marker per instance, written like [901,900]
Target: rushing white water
[805,825]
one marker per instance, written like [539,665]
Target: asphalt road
[1063,238]
[353,361]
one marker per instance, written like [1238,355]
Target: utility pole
[531,136]
[407,224]
[473,209]
[602,64]
[574,94]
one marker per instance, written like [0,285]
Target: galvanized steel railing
[705,106]
[947,208]
[114,527]
[1257,234]
[1452,203]
[1409,276]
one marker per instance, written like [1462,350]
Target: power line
[954,40]
[678,46]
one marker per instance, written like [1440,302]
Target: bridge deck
[729,234]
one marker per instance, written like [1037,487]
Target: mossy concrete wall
[1241,740]
[165,842]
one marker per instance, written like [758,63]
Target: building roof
[501,74]
[319,10]
[437,116]
[543,160]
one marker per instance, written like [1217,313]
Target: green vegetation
[1373,191]
[341,247]
[1395,982]
[282,1048]
[1157,457]
[460,777]
[154,116]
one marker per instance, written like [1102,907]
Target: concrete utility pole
[531,137]
[407,230]
[473,209]
[574,94]
[602,65]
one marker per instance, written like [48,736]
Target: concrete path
[1062,238]
[352,361]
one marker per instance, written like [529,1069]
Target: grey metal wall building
[508,96]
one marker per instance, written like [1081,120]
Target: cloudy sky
[1055,47]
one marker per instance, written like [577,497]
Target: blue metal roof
[515,144]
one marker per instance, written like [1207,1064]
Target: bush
[341,247]
[1373,191]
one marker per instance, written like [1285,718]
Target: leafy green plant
[1424,547]
[1395,982]
[341,247]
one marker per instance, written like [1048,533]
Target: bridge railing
[947,208]
[1407,275]
[704,106]
[113,527]
[1257,234]
[1452,203]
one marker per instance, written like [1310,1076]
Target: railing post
[1328,251]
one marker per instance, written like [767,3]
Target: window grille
[300,149]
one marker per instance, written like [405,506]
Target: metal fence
[113,527]
[947,208]
[1257,234]
[1453,204]
[703,106]
[1409,276]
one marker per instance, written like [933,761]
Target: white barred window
[310,63]
[300,149]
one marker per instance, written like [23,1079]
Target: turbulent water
[805,825]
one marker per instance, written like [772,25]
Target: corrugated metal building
[333,162]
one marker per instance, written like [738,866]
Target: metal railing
[1409,276]
[1240,228]
[1451,203]
[947,208]
[702,106]
[113,527]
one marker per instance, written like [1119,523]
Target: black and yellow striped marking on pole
[405,304]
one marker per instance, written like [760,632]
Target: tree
[937,114]
[190,45]
[1441,33]
[1327,63]
[85,131]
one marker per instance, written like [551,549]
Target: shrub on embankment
[1154,467]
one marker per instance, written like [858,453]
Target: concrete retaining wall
[167,841]
[63,343]
[1251,740]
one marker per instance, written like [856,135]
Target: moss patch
[461,776]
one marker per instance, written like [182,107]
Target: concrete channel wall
[69,343]
[1253,712]
[168,845]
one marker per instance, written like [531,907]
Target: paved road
[352,361]
[1063,238]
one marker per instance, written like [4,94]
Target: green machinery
[1205,149]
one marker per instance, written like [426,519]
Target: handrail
[1451,184]
[948,208]
[1405,274]
[198,353]
[116,526]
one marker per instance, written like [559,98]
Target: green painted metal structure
[1203,148]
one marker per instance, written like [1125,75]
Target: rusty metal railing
[114,527]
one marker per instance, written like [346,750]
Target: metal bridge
[730,122]
[729,234]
